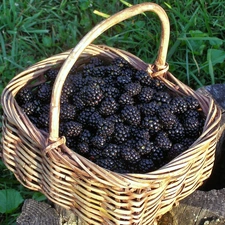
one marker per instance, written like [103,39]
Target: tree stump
[205,206]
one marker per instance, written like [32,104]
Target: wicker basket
[43,162]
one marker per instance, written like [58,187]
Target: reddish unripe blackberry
[146,95]
[131,115]
[72,129]
[130,155]
[108,106]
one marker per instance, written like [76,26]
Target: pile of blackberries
[117,116]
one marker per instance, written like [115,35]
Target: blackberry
[120,166]
[120,62]
[133,88]
[190,113]
[44,92]
[95,119]
[98,141]
[146,95]
[95,82]
[156,155]
[67,112]
[123,80]
[113,71]
[143,77]
[43,121]
[92,95]
[78,103]
[158,85]
[111,151]
[85,136]
[64,99]
[98,71]
[72,129]
[146,165]
[83,148]
[94,154]
[131,115]
[95,61]
[68,89]
[176,133]
[111,92]
[140,133]
[51,74]
[192,127]
[175,150]
[29,108]
[105,128]
[130,155]
[149,109]
[192,102]
[126,99]
[144,146]
[87,69]
[84,115]
[163,141]
[24,95]
[106,163]
[167,118]
[152,123]
[162,97]
[71,143]
[115,118]
[178,105]
[78,82]
[187,142]
[121,133]
[108,106]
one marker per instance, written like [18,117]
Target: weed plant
[34,30]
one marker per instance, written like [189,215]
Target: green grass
[34,30]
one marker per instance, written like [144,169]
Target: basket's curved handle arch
[89,38]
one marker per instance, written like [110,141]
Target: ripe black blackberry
[106,163]
[121,133]
[83,148]
[130,155]
[92,95]
[64,99]
[108,106]
[139,133]
[146,165]
[78,103]
[187,142]
[163,141]
[131,115]
[96,61]
[85,136]
[68,89]
[192,102]
[72,129]
[43,121]
[146,95]
[111,151]
[176,133]
[105,128]
[51,74]
[178,105]
[94,154]
[95,119]
[120,62]
[99,71]
[175,150]
[29,108]
[149,109]
[126,99]
[24,95]
[78,82]
[111,92]
[113,71]
[44,92]
[98,141]
[167,118]
[192,127]
[152,123]
[84,115]
[144,147]
[162,97]
[143,77]
[156,155]
[133,88]
[67,112]
[71,143]
[158,85]
[123,80]
[95,82]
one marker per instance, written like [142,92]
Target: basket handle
[89,38]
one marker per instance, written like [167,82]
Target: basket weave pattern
[43,162]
